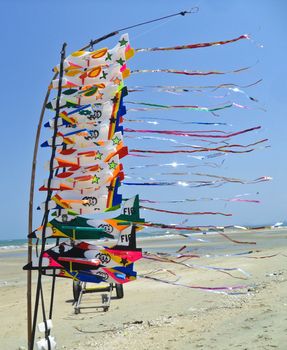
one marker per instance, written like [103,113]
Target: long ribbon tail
[188,72]
[193,133]
[194,46]
[151,106]
[185,213]
[208,289]
[187,151]
[234,240]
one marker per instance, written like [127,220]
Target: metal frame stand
[80,288]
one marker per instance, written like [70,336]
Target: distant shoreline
[21,245]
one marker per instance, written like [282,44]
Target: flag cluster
[87,170]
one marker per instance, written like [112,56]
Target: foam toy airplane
[72,98]
[101,175]
[85,256]
[91,130]
[76,77]
[69,226]
[100,120]
[84,139]
[85,59]
[118,274]
[87,201]
[101,130]
[95,133]
[97,113]
[87,161]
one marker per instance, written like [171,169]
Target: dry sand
[153,315]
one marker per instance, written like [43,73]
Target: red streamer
[194,133]
[186,213]
[194,46]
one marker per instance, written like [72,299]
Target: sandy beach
[157,315]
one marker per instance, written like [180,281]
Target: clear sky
[32,34]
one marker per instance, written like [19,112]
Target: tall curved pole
[34,166]
[30,217]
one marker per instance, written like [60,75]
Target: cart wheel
[119,291]
[76,290]
[106,309]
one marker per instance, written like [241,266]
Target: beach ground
[157,315]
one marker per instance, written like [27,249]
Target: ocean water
[9,244]
[20,244]
[151,240]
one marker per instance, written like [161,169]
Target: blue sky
[32,35]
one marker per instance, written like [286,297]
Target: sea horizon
[22,243]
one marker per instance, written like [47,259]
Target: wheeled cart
[105,291]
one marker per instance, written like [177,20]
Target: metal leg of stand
[78,302]
[105,298]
